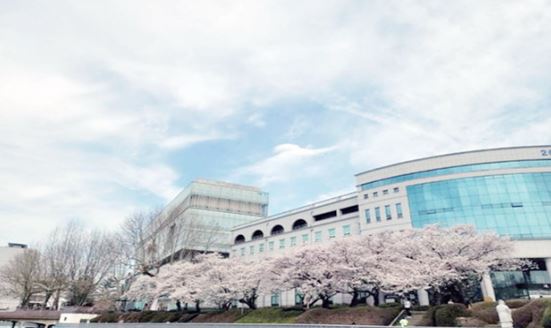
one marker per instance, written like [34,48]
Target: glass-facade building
[516,205]
[506,191]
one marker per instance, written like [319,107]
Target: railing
[300,209]
[398,317]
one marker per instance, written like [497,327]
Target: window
[346,230]
[293,241]
[367,216]
[261,248]
[332,233]
[396,190]
[251,250]
[385,192]
[258,234]
[305,238]
[366,196]
[399,212]
[299,224]
[271,245]
[239,239]
[378,214]
[388,215]
[324,216]
[281,243]
[350,209]
[242,251]
[275,299]
[299,297]
[317,236]
[375,194]
[277,230]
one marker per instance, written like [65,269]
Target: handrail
[393,322]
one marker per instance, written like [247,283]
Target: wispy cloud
[103,111]
[287,162]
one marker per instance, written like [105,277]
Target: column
[487,287]
[423,297]
[548,266]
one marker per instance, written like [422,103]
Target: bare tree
[19,277]
[93,261]
[137,249]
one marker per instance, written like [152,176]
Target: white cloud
[96,95]
[287,162]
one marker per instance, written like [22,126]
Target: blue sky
[107,107]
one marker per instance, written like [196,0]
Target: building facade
[200,218]
[505,190]
[7,254]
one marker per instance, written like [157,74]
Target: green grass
[270,315]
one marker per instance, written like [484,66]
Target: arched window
[299,224]
[277,230]
[239,239]
[257,235]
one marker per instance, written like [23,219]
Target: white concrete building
[7,254]
[506,190]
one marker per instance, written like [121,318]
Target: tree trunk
[56,299]
[355,298]
[250,302]
[47,297]
[375,294]
[325,303]
[197,306]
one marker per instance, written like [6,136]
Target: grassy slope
[228,316]
[270,315]
[360,315]
[340,315]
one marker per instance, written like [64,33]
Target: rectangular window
[261,248]
[271,245]
[242,251]
[275,299]
[376,194]
[346,230]
[367,216]
[396,190]
[350,209]
[317,236]
[251,250]
[299,297]
[324,216]
[332,233]
[305,238]
[293,241]
[281,243]
[366,196]
[399,212]
[388,215]
[385,192]
[378,214]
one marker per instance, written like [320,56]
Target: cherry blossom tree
[313,271]
[143,288]
[216,280]
[461,254]
[248,278]
[445,261]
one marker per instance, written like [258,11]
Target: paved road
[205,325]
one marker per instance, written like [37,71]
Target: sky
[112,107]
